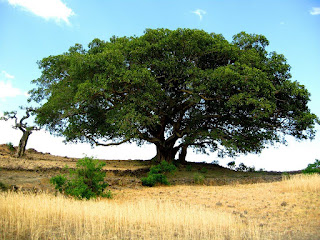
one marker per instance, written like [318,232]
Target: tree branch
[108,144]
[200,95]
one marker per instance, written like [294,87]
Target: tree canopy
[176,89]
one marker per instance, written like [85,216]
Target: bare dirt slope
[34,170]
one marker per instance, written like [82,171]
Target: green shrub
[312,168]
[84,182]
[153,179]
[163,167]
[189,168]
[3,187]
[10,146]
[198,178]
[157,174]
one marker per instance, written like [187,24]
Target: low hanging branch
[109,144]
[23,126]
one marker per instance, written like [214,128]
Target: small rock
[218,204]
[283,204]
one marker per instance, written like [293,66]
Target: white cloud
[7,75]
[315,11]
[6,88]
[200,13]
[47,9]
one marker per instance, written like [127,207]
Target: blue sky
[34,29]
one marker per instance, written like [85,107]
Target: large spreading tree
[176,89]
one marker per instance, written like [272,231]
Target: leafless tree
[23,126]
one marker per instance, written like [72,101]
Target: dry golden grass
[43,216]
[255,211]
[302,182]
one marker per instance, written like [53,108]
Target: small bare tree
[23,126]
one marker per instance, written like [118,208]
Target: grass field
[281,210]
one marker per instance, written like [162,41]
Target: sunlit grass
[302,182]
[280,210]
[43,216]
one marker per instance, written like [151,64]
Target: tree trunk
[165,154]
[23,143]
[183,154]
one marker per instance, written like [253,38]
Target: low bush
[10,147]
[198,178]
[84,182]
[153,179]
[312,168]
[163,167]
[157,174]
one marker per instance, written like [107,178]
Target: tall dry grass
[182,212]
[301,182]
[44,216]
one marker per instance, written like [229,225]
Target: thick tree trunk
[165,154]
[183,154]
[23,143]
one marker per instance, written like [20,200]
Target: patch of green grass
[198,178]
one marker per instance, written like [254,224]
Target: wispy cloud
[7,75]
[315,11]
[47,9]
[6,88]
[200,13]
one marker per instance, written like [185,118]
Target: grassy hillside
[34,170]
[205,201]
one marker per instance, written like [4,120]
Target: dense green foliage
[163,167]
[85,182]
[312,168]
[157,175]
[176,89]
